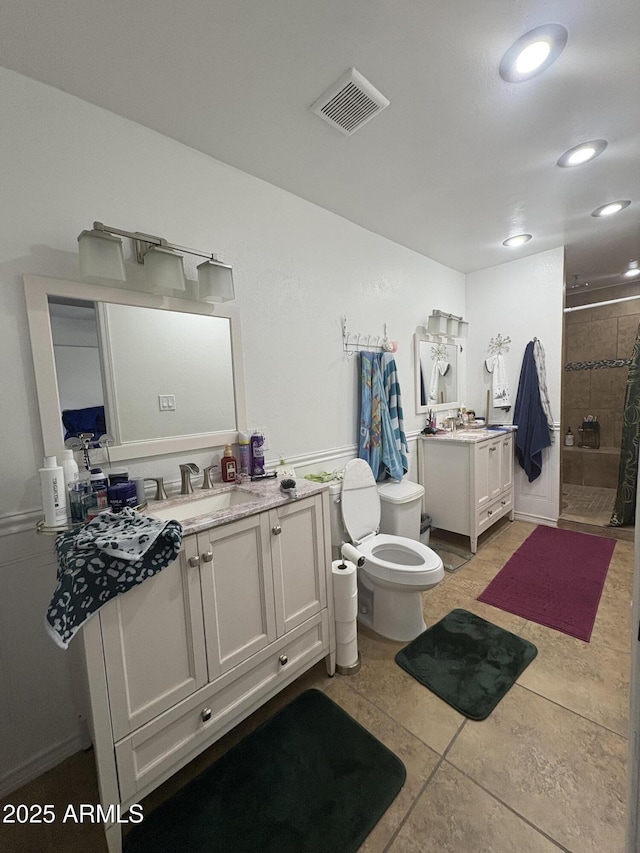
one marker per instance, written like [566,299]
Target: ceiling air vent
[351,102]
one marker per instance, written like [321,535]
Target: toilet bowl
[396,569]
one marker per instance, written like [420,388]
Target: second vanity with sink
[182,658]
[468,479]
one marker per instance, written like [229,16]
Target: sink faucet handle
[206,482]
[186,470]
[160,495]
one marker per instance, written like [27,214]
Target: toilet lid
[360,500]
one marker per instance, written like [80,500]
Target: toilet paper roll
[345,580]
[346,632]
[351,553]
[346,609]
[347,653]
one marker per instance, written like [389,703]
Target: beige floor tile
[385,684]
[446,597]
[564,774]
[454,815]
[591,680]
[612,627]
[418,759]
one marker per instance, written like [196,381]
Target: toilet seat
[390,559]
[412,563]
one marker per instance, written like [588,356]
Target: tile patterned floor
[545,772]
[590,504]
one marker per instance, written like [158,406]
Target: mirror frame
[425,337]
[38,289]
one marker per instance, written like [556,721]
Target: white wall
[298,269]
[521,299]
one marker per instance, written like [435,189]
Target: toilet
[398,567]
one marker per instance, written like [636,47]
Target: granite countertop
[467,436]
[265,494]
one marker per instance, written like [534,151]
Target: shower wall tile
[573,418]
[572,466]
[592,340]
[600,469]
[576,389]
[608,388]
[627,331]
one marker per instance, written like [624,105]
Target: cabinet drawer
[168,742]
[490,514]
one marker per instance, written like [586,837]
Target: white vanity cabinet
[468,481]
[179,660]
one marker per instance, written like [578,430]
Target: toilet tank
[400,508]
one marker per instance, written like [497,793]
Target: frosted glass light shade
[101,256]
[215,282]
[163,270]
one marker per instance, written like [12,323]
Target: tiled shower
[598,342]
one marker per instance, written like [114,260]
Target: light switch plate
[167,402]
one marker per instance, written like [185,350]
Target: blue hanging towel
[370,401]
[532,435]
[394,440]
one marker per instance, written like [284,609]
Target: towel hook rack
[353,342]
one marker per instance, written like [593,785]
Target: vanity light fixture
[582,153]
[101,257]
[517,240]
[610,208]
[533,52]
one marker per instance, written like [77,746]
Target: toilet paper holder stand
[349,552]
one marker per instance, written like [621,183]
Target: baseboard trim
[40,763]
[535,519]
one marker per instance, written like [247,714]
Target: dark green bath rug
[467,661]
[309,780]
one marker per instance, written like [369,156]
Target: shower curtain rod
[598,304]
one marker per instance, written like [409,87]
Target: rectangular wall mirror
[160,375]
[439,372]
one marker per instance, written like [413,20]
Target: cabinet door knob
[504,503]
[490,512]
[207,556]
[492,449]
[276,529]
[283,660]
[206,715]
[194,562]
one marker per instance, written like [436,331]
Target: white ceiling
[459,161]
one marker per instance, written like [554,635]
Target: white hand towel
[499,385]
[439,369]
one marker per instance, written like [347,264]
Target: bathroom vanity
[468,480]
[176,662]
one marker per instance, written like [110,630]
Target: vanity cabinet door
[299,562]
[237,591]
[487,471]
[153,641]
[506,466]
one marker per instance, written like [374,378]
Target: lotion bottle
[54,493]
[70,469]
[245,453]
[228,465]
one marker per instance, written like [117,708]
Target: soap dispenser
[229,465]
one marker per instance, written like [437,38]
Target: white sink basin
[204,505]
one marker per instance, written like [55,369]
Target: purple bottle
[257,453]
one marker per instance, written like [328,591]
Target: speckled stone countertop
[267,495]
[467,436]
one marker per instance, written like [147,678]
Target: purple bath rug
[555,578]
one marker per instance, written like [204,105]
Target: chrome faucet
[206,482]
[161,494]
[186,471]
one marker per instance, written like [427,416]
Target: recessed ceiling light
[533,52]
[611,208]
[582,153]
[517,240]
